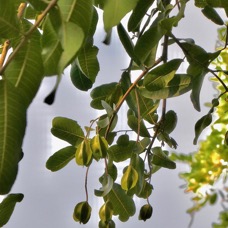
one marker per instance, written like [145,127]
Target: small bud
[145,212]
[82,212]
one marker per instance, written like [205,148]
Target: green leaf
[115,10]
[127,42]
[180,84]
[79,80]
[159,77]
[79,12]
[102,92]
[12,130]
[7,207]
[129,178]
[212,15]
[160,158]
[88,62]
[169,23]
[132,122]
[107,184]
[200,125]
[125,148]
[123,205]
[51,45]
[60,158]
[147,42]
[138,13]
[218,3]
[25,70]
[72,40]
[170,121]
[9,24]
[67,130]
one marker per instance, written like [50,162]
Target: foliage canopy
[44,37]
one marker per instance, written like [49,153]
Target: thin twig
[86,181]
[138,108]
[118,106]
[27,35]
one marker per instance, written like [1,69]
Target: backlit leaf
[115,10]
[72,40]
[129,178]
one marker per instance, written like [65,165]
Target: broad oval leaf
[72,37]
[138,126]
[67,130]
[160,158]
[123,205]
[60,158]
[201,124]
[115,10]
[102,92]
[88,62]
[7,207]
[159,77]
[170,121]
[79,80]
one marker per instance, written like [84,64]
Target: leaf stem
[27,35]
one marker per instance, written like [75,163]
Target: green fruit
[106,211]
[107,224]
[99,147]
[82,212]
[83,154]
[145,212]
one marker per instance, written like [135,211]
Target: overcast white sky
[50,197]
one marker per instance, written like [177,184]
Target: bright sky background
[50,197]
